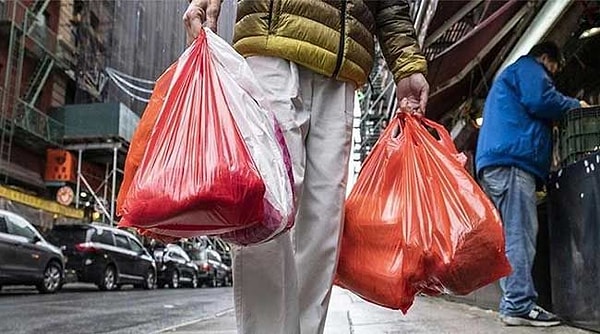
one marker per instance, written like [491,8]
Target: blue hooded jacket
[517,117]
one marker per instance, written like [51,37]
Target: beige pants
[284,286]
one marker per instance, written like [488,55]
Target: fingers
[404,105]
[200,12]
[416,91]
[424,98]
[192,21]
[212,14]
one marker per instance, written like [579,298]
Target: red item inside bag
[196,174]
[417,222]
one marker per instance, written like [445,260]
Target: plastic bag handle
[445,138]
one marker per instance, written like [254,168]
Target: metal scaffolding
[378,99]
[28,35]
[104,196]
[93,34]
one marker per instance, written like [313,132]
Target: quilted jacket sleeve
[396,35]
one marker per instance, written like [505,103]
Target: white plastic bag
[258,128]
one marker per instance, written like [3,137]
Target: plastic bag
[417,222]
[142,133]
[214,163]
[250,108]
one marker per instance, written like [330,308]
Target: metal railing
[40,38]
[34,121]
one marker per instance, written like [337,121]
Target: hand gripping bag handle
[445,142]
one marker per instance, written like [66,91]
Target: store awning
[472,48]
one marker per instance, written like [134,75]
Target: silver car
[26,258]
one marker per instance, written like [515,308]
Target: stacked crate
[579,134]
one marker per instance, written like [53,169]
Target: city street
[82,308]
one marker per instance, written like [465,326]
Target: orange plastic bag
[140,138]
[417,222]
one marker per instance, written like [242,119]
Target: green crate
[579,134]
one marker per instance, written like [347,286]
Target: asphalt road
[84,309]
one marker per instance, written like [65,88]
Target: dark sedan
[213,271]
[175,268]
[104,255]
[26,258]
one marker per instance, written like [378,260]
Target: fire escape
[464,42]
[377,101]
[28,36]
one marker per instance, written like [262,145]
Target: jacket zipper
[340,55]
[270,15]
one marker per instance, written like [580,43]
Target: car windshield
[69,237]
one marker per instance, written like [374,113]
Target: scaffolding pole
[78,186]
[114,186]
[105,187]
[114,148]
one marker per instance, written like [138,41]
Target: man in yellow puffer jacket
[310,56]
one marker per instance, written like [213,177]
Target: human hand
[415,90]
[199,12]
[584,104]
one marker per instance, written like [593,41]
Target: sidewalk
[348,314]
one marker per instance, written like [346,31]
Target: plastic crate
[579,134]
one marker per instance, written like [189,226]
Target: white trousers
[284,286]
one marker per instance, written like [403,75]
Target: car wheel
[109,279]
[174,283]
[194,281]
[52,279]
[213,281]
[150,280]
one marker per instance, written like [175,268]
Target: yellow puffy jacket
[331,37]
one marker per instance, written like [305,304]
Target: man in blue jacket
[513,153]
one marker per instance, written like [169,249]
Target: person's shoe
[537,317]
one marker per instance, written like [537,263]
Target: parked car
[213,272]
[106,256]
[175,268]
[26,258]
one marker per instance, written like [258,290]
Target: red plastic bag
[141,136]
[210,148]
[417,222]
[197,176]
